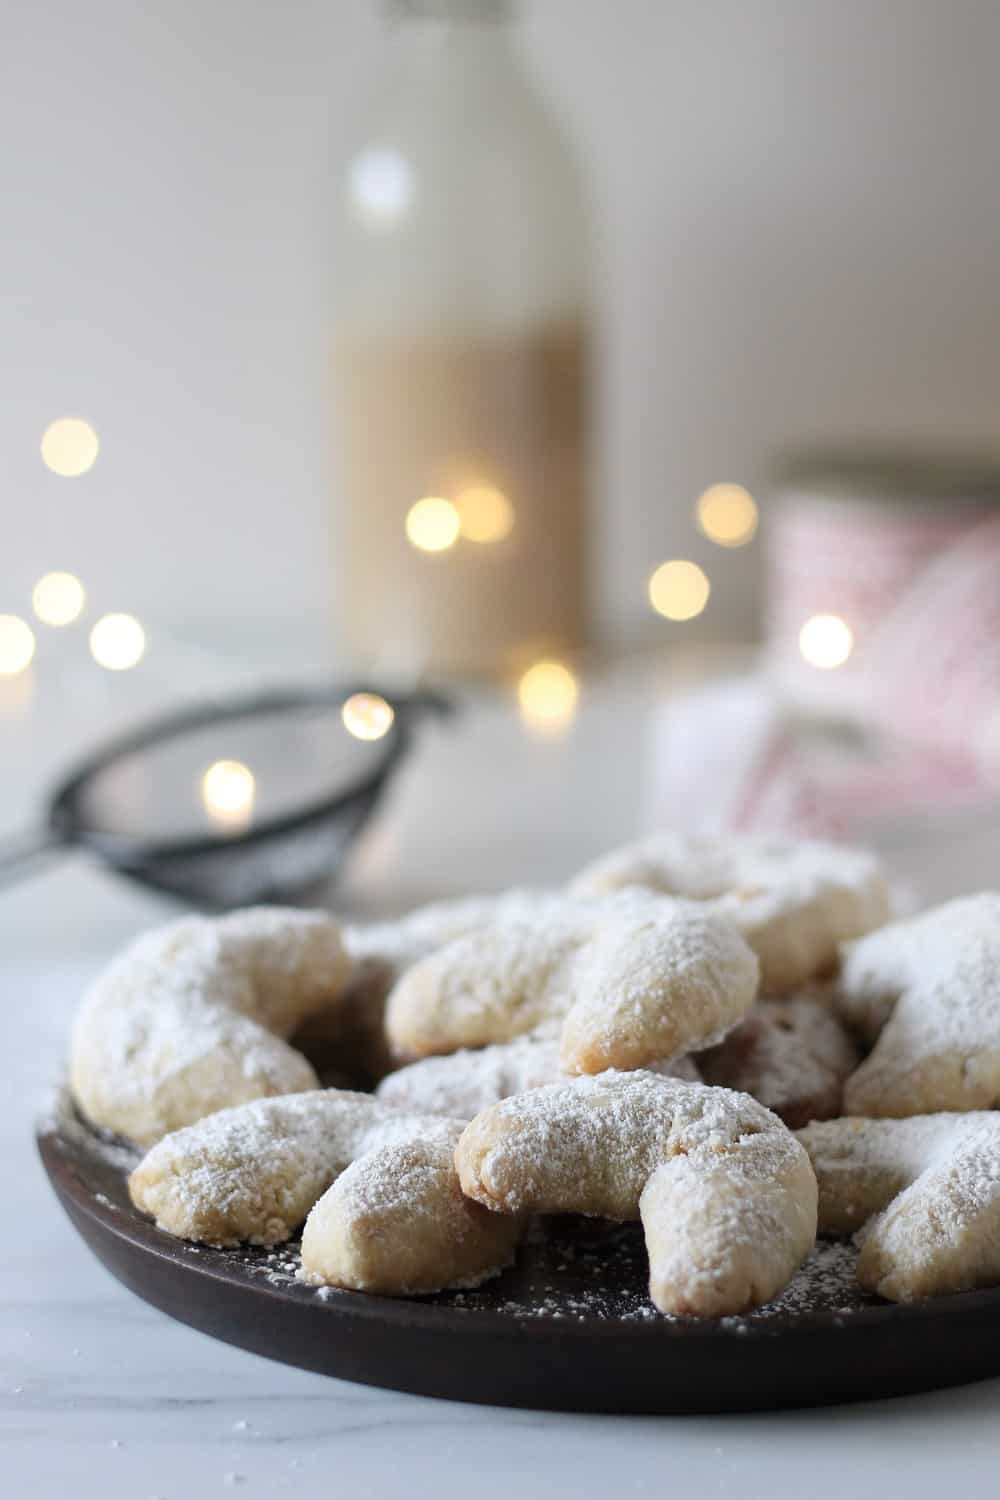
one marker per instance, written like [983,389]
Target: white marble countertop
[105,1398]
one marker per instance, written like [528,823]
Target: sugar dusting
[253,1172]
[924,1194]
[792,1055]
[625,972]
[754,879]
[59,1118]
[603,1278]
[190,1017]
[406,939]
[924,991]
[725,1193]
[462,1083]
[568,1268]
[590,1145]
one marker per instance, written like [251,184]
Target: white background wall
[800,225]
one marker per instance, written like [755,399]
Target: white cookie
[633,978]
[191,1018]
[791,1055]
[726,1194]
[924,1193]
[401,941]
[350,1036]
[462,1083]
[795,902]
[385,1210]
[927,992]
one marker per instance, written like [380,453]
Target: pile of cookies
[725,1038]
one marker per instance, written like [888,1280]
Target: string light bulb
[380,185]
[367,716]
[727,514]
[826,641]
[228,789]
[58,598]
[679,589]
[485,514]
[547,694]
[17,645]
[117,642]
[69,447]
[432,524]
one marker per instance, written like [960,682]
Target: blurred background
[797,231]
[695,243]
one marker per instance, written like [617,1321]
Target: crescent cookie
[401,941]
[726,1194]
[927,992]
[192,1017]
[465,1082]
[351,1036]
[634,978]
[385,1210]
[791,1055]
[795,902]
[924,1193]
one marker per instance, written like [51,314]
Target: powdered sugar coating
[403,940]
[380,1189]
[792,1055]
[396,1222]
[192,1016]
[634,978]
[462,1083]
[926,990]
[924,1193]
[725,1193]
[794,901]
[351,1035]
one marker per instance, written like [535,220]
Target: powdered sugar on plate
[568,1268]
[588,1272]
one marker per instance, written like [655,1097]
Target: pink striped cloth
[908,725]
[919,587]
[732,756]
[932,665]
[843,794]
[851,558]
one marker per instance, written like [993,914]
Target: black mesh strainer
[248,799]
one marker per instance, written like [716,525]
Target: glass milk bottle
[459,360]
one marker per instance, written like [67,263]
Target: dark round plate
[570,1327]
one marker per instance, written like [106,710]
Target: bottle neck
[455,53]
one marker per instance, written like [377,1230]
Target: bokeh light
[380,184]
[727,514]
[227,793]
[367,716]
[117,642]
[826,641]
[679,589]
[69,447]
[432,524]
[17,645]
[547,694]
[58,598]
[484,514]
